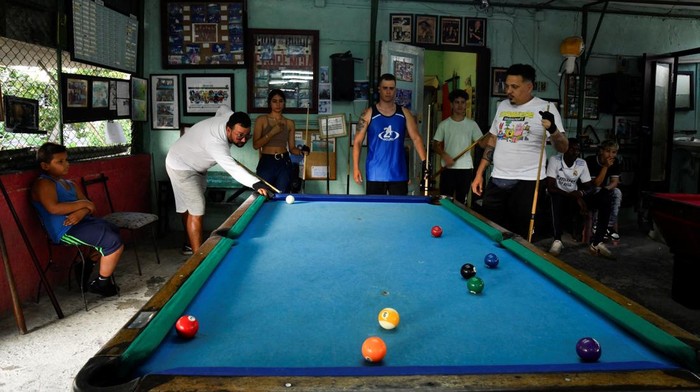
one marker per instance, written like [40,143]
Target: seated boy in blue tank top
[65,213]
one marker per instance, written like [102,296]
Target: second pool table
[285,294]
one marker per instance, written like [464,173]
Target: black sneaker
[612,234]
[83,277]
[186,250]
[105,288]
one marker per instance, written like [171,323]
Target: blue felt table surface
[302,287]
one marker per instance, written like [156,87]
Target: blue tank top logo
[389,135]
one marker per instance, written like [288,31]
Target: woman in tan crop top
[273,135]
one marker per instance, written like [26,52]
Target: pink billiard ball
[436,231]
[187,326]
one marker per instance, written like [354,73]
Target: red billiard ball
[436,231]
[373,349]
[588,349]
[187,326]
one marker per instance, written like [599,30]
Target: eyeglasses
[241,136]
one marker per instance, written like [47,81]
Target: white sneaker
[601,250]
[555,249]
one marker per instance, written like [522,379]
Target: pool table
[677,216]
[285,295]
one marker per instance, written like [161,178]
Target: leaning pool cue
[537,186]
[14,294]
[466,150]
[256,176]
[306,134]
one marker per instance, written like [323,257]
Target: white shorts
[188,188]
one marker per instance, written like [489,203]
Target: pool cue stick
[256,176]
[350,144]
[466,150]
[306,134]
[537,185]
[16,304]
[32,253]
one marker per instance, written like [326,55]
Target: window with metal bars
[31,71]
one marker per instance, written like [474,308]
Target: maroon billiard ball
[187,326]
[436,231]
[588,349]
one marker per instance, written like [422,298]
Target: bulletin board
[318,160]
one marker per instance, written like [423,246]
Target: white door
[406,63]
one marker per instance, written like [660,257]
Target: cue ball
[468,270]
[491,260]
[475,285]
[436,231]
[373,349]
[388,318]
[588,349]
[187,326]
[289,199]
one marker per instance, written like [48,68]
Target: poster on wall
[203,34]
[165,112]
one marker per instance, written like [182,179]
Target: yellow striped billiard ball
[388,318]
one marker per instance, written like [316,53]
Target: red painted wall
[129,187]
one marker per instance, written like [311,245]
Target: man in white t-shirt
[453,135]
[564,172]
[204,145]
[514,146]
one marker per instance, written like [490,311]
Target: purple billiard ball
[588,349]
[491,260]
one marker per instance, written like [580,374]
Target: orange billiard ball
[187,326]
[373,349]
[388,318]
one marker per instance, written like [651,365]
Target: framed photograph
[100,93]
[22,115]
[450,31]
[475,32]
[426,30]
[626,129]
[401,26]
[287,60]
[203,34]
[165,111]
[204,94]
[498,82]
[332,126]
[139,99]
[353,132]
[77,93]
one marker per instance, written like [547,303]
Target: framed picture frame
[22,115]
[498,82]
[287,60]
[165,102]
[426,30]
[475,31]
[203,34]
[332,126]
[139,99]
[353,132]
[450,31]
[401,28]
[203,94]
[626,129]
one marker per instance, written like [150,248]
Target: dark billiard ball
[475,285]
[588,349]
[187,326]
[468,270]
[436,231]
[491,260]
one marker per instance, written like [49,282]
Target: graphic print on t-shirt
[514,126]
[388,135]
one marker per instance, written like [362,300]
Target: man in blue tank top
[386,125]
